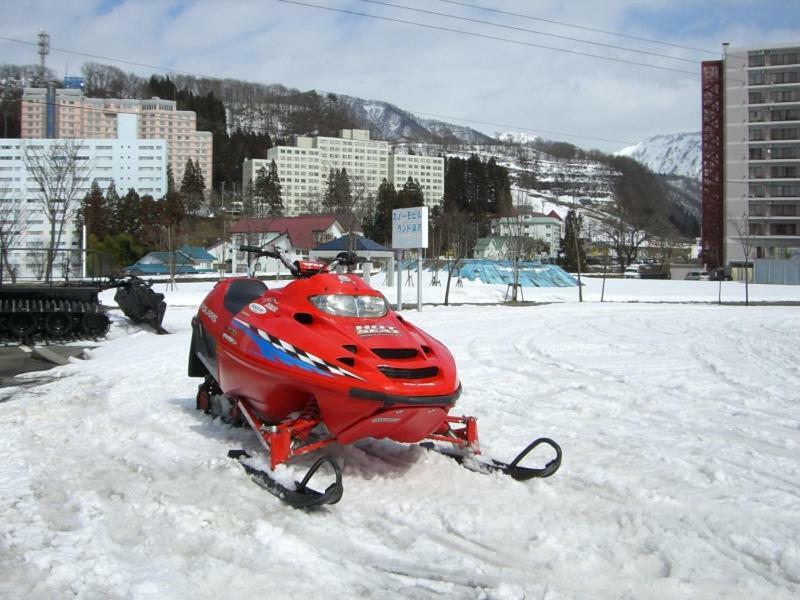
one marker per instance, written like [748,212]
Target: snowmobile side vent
[350,348]
[303,318]
[396,373]
[390,353]
[347,360]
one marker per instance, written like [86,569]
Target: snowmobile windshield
[343,305]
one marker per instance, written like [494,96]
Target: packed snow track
[680,426]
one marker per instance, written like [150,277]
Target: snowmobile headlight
[343,305]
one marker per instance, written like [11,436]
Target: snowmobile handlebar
[345,259]
[272,253]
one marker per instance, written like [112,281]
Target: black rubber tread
[22,324]
[57,324]
[55,318]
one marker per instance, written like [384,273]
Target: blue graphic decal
[268,350]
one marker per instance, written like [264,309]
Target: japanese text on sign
[410,227]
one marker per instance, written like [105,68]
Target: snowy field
[680,425]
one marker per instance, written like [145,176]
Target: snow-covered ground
[680,426]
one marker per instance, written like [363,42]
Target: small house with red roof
[295,236]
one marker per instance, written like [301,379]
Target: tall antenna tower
[44,50]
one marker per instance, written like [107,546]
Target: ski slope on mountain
[681,476]
[674,154]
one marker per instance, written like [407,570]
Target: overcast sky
[520,86]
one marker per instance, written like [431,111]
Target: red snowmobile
[325,360]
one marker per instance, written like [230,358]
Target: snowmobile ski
[513,469]
[302,496]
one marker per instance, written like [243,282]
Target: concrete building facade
[72,115]
[536,226]
[427,170]
[303,169]
[130,163]
[753,191]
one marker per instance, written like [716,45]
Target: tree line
[121,228]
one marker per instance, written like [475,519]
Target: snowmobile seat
[241,292]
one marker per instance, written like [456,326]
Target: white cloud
[418,69]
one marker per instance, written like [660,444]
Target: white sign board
[410,227]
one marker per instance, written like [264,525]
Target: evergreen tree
[193,187]
[572,249]
[128,214]
[170,179]
[173,211]
[338,196]
[329,196]
[266,192]
[386,202]
[259,193]
[150,215]
[454,169]
[410,195]
[93,212]
[112,205]
[274,201]
[342,194]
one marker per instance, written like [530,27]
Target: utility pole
[224,236]
[4,82]
[44,50]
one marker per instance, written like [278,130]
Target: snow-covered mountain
[516,137]
[673,154]
[394,124]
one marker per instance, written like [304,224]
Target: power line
[525,30]
[584,28]
[486,36]
[117,60]
[266,130]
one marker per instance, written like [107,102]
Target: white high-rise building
[130,163]
[303,169]
[758,177]
[427,170]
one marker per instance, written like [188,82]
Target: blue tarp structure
[501,272]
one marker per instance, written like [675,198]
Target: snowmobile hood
[291,328]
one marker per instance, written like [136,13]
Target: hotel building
[66,113]
[303,168]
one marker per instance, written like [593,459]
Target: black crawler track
[40,313]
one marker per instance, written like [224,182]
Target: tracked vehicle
[53,313]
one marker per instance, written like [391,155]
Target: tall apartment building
[751,153]
[303,168]
[67,113]
[131,163]
[427,170]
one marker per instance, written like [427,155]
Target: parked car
[719,275]
[632,272]
[697,276]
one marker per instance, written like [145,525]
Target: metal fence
[27,265]
[779,272]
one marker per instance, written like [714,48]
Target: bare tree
[60,172]
[745,237]
[516,246]
[458,231]
[12,224]
[626,231]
